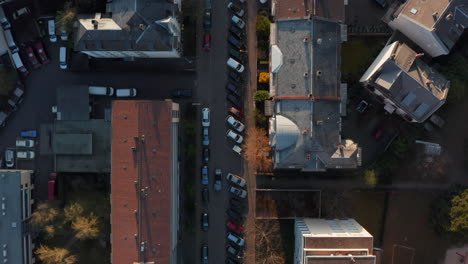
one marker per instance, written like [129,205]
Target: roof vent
[435,15]
[419,55]
[306,39]
[293,86]
[449,16]
[428,82]
[95,24]
[413,11]
[306,74]
[319,73]
[319,41]
[142,26]
[292,61]
[294,10]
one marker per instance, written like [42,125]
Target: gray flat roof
[73,102]
[95,153]
[10,223]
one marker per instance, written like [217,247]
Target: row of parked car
[23,150]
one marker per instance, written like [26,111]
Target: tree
[261,96]
[370,177]
[263,26]
[66,17]
[264,77]
[268,242]
[257,149]
[55,255]
[459,213]
[86,227]
[44,214]
[73,211]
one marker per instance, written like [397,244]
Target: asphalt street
[40,96]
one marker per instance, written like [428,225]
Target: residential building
[144,182]
[131,29]
[434,25]
[405,83]
[333,10]
[16,202]
[308,99]
[337,241]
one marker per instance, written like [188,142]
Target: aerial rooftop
[329,9]
[423,11]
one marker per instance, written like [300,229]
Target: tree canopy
[459,212]
[55,255]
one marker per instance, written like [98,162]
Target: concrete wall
[136,54]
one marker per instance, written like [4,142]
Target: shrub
[264,77]
[261,96]
[263,26]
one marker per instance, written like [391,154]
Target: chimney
[95,24]
[419,55]
[428,82]
[306,39]
[319,73]
[449,16]
[435,15]
[306,74]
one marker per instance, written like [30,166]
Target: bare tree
[257,149]
[55,255]
[86,227]
[268,242]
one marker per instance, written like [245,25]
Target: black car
[234,41]
[237,217]
[235,31]
[232,88]
[236,204]
[233,251]
[205,222]
[206,155]
[207,20]
[235,76]
[235,54]
[182,93]
[233,99]
[231,261]
[205,195]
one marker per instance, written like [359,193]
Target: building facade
[16,202]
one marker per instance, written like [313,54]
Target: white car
[205,117]
[9,158]
[235,9]
[238,192]
[235,65]
[131,92]
[237,149]
[206,137]
[235,239]
[237,180]
[239,22]
[25,154]
[234,136]
[235,124]
[26,143]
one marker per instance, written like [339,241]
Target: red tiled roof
[146,173]
[329,9]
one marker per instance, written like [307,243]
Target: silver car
[9,158]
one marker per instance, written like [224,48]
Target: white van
[63,58]
[10,41]
[235,65]
[51,26]
[4,20]
[101,90]
[131,92]
[19,64]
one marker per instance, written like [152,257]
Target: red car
[41,53]
[207,41]
[51,187]
[231,225]
[32,58]
[236,112]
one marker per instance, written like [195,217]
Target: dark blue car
[204,174]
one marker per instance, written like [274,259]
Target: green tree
[263,26]
[55,255]
[261,95]
[459,213]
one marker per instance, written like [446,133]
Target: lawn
[358,53]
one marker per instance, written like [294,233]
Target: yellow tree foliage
[264,77]
[459,212]
[257,149]
[86,227]
[73,211]
[44,214]
[55,255]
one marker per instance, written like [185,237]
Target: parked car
[9,158]
[204,173]
[51,29]
[129,92]
[204,254]
[238,192]
[235,76]
[25,143]
[205,117]
[235,123]
[19,64]
[206,155]
[235,31]
[29,133]
[234,41]
[236,204]
[205,195]
[232,226]
[234,136]
[234,53]
[236,112]
[51,191]
[205,222]
[235,179]
[25,154]
[218,181]
[231,261]
[41,53]
[32,58]
[238,21]
[237,149]
[362,107]
[382,3]
[4,20]
[233,251]
[20,12]
[437,120]
[235,65]
[182,93]
[235,239]
[206,41]
[206,137]
[236,216]
[207,20]
[63,58]
[233,99]
[232,88]
[235,9]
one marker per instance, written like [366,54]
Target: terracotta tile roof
[329,9]
[145,173]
